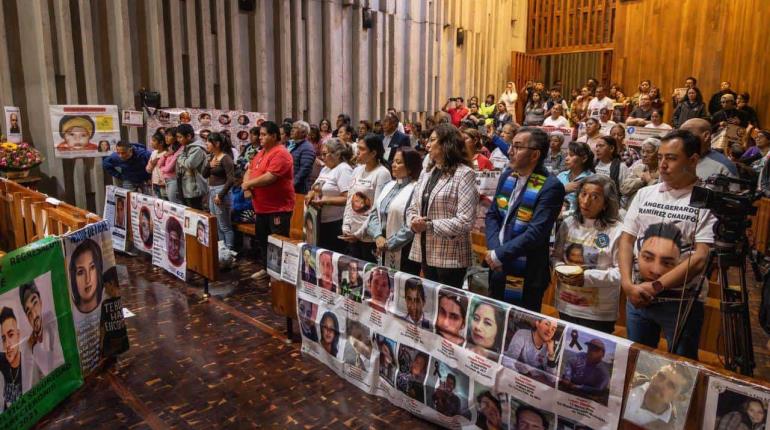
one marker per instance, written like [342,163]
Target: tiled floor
[217,364]
[224,363]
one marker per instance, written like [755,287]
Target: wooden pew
[204,260]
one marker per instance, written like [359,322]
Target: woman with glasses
[329,192]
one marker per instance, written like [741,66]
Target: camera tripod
[738,349]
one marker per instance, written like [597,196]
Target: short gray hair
[303,125]
[556,134]
[339,149]
[652,141]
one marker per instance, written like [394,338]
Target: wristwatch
[657,286]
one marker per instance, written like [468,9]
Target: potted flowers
[17,159]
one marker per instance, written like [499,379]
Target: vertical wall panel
[302,58]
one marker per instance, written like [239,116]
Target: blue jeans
[172,191]
[222,212]
[644,326]
[131,186]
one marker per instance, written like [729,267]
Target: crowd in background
[405,195]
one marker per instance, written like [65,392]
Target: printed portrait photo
[145,227]
[351,277]
[587,367]
[329,329]
[378,288]
[175,242]
[446,389]
[325,261]
[306,315]
[659,393]
[415,300]
[525,416]
[358,345]
[120,212]
[490,407]
[387,358]
[412,370]
[737,410]
[76,132]
[309,264]
[451,315]
[30,347]
[486,328]
[533,346]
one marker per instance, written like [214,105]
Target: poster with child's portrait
[78,131]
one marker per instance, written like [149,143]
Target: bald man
[729,114]
[711,162]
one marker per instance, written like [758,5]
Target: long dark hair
[373,142]
[450,139]
[333,317]
[88,245]
[222,141]
[581,150]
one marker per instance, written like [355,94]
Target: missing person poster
[84,131]
[116,214]
[141,221]
[197,224]
[591,377]
[274,254]
[13,131]
[168,251]
[39,354]
[735,405]
[97,308]
[659,394]
[486,182]
[312,224]
[290,258]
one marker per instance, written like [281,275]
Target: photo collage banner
[463,360]
[235,123]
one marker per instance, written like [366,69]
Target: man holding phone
[456,109]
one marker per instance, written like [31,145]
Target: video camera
[731,200]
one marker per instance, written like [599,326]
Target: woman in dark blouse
[220,171]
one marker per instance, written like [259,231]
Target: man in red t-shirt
[457,112]
[270,179]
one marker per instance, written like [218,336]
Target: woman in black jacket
[691,107]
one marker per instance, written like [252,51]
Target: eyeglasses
[519,148]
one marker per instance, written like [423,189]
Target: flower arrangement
[20,156]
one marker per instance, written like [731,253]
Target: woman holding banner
[387,221]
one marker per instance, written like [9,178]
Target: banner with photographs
[39,354]
[735,405]
[635,136]
[97,308]
[84,131]
[141,221]
[486,182]
[116,214]
[168,251]
[660,392]
[236,124]
[196,224]
[13,131]
[727,136]
[453,357]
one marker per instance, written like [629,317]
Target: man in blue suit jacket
[393,138]
[519,222]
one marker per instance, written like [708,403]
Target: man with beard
[44,340]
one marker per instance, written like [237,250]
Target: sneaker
[259,275]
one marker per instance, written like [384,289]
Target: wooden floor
[224,363]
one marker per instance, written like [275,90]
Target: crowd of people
[605,215]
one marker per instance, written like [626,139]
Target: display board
[13,129]
[97,308]
[84,130]
[235,123]
[116,207]
[168,251]
[39,352]
[453,357]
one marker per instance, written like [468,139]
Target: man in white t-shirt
[664,248]
[556,119]
[652,404]
[601,101]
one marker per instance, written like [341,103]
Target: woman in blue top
[386,223]
[579,163]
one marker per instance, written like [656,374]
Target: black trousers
[604,326]
[328,237]
[363,251]
[194,202]
[267,224]
[452,277]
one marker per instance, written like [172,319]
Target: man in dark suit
[519,222]
[393,139]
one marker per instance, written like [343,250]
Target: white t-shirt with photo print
[660,204]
